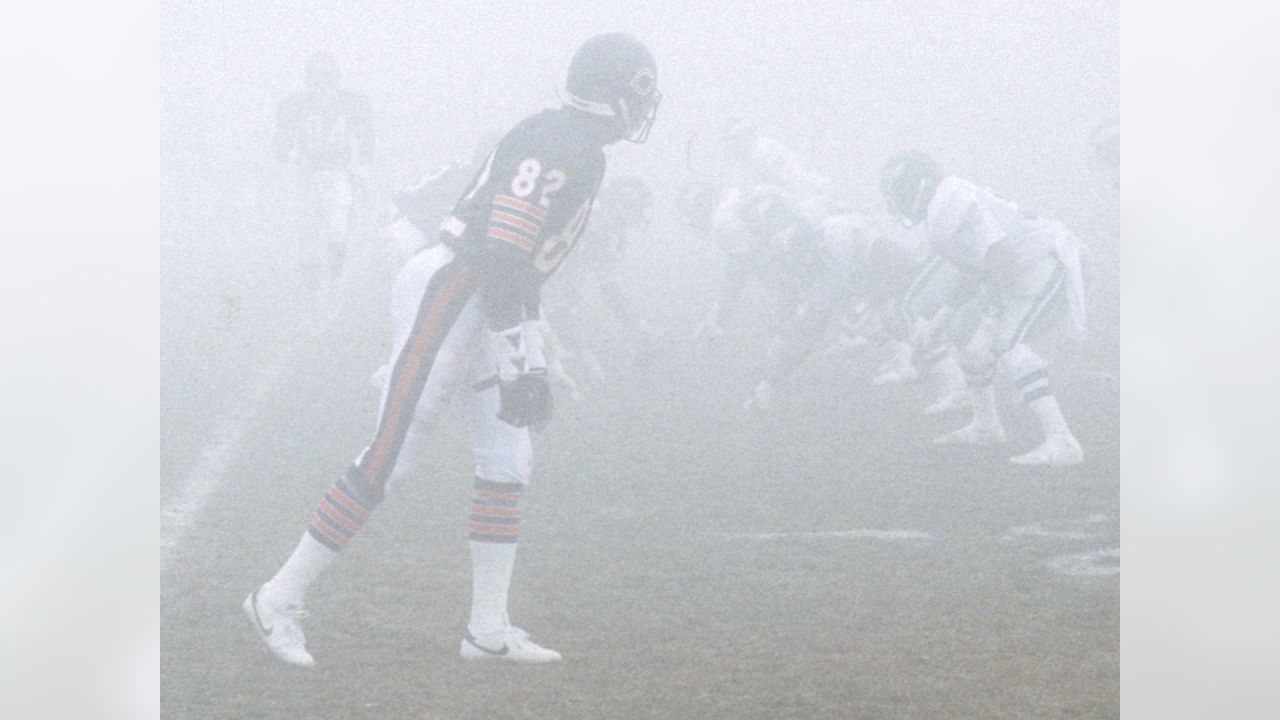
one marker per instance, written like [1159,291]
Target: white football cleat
[954,399]
[511,644]
[973,434]
[279,629]
[1057,450]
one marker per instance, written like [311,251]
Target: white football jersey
[965,220]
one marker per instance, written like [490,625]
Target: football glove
[523,390]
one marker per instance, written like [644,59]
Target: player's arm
[533,219]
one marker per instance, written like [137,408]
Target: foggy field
[640,558]
[820,558]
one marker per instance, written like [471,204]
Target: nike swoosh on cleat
[266,631]
[484,649]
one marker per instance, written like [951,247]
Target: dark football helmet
[908,182]
[615,76]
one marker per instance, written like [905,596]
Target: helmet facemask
[614,76]
[908,183]
[636,122]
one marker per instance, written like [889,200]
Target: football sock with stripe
[1050,415]
[339,516]
[494,530]
[1038,395]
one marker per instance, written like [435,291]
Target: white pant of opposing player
[1032,303]
[440,351]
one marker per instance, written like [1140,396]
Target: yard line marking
[1098,563]
[177,516]
[1037,531]
[857,533]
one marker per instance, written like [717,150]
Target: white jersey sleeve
[965,220]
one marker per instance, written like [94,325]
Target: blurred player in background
[590,289]
[325,133]
[770,235]
[1016,278]
[750,160]
[466,317]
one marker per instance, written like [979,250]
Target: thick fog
[819,509]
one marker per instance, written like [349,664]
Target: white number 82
[526,179]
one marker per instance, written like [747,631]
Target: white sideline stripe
[1040,532]
[177,516]
[857,533]
[1098,563]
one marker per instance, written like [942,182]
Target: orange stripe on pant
[409,378]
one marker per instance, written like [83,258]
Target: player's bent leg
[1036,305]
[1030,376]
[504,457]
[985,427]
[425,369]
[953,394]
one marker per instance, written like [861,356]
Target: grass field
[822,560]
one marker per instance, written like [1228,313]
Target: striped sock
[340,516]
[495,530]
[1033,386]
[495,512]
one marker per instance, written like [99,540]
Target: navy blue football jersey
[526,208]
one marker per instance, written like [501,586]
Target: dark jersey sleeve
[524,211]
[427,200]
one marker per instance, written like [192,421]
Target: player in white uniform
[1017,275]
[466,323]
[326,134]
[755,161]
[772,236]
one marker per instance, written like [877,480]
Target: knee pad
[509,464]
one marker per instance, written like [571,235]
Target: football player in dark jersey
[326,134]
[466,319]
[412,220]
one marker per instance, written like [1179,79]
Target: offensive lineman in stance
[465,313]
[1017,277]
